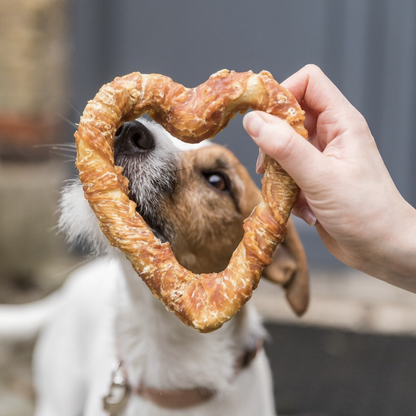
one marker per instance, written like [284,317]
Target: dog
[110,347]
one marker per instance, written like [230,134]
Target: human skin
[346,191]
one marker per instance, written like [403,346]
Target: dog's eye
[218,180]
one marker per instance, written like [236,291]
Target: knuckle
[360,123]
[313,69]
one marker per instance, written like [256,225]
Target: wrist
[392,253]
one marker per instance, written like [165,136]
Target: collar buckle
[116,399]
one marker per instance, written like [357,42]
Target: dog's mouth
[157,229]
[149,196]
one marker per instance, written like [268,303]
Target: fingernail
[253,123]
[308,216]
[260,161]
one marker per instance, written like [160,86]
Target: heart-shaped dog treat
[204,301]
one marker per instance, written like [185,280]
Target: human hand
[361,217]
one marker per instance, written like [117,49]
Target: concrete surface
[345,299]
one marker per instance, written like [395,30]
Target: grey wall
[367,47]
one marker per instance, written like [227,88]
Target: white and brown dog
[110,337]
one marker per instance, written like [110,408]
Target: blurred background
[354,353]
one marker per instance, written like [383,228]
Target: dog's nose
[133,137]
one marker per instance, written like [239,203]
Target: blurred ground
[319,369]
[353,354]
[345,299]
[325,372]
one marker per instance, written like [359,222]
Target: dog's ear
[290,269]
[79,223]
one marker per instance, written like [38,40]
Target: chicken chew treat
[203,301]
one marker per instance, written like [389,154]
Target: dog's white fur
[108,313]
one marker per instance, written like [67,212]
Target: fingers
[324,105]
[302,210]
[280,141]
[312,86]
[260,161]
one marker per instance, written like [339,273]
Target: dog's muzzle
[150,165]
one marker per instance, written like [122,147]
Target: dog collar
[120,388]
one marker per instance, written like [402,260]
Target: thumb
[278,139]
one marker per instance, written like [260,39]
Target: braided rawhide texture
[204,301]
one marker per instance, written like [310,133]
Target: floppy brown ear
[290,269]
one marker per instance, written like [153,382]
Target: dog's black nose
[133,137]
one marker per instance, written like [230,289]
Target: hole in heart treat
[203,301]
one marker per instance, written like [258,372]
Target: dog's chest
[160,351]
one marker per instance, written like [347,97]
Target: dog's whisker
[55,146]
[64,150]
[48,145]
[73,108]
[61,154]
[71,123]
[71,181]
[70,146]
[60,149]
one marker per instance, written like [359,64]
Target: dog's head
[196,197]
